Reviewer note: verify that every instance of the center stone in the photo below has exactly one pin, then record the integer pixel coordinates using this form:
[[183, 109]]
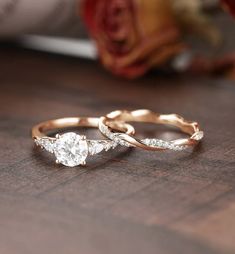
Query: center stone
[[71, 149]]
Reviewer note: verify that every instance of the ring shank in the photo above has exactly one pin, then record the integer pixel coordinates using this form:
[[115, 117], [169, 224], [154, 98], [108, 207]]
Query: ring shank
[[40, 130], [147, 116]]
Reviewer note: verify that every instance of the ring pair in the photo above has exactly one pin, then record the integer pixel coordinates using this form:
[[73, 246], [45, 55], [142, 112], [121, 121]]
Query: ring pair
[[71, 149]]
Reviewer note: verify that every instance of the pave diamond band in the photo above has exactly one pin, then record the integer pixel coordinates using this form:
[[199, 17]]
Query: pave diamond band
[[71, 149], [144, 115]]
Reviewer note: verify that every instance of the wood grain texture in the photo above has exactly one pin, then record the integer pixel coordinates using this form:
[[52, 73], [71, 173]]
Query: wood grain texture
[[124, 201]]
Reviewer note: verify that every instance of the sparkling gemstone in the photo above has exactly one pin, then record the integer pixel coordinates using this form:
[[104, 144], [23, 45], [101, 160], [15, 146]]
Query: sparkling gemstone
[[46, 143], [71, 149], [96, 146], [120, 141], [198, 135], [163, 144]]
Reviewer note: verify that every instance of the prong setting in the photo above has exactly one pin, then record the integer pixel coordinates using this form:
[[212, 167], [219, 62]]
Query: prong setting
[[71, 149], [83, 163], [83, 137]]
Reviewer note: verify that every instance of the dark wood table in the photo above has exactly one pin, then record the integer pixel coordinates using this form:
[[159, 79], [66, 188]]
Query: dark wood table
[[124, 201]]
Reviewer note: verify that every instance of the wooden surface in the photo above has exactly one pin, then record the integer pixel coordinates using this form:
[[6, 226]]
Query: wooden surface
[[124, 201]]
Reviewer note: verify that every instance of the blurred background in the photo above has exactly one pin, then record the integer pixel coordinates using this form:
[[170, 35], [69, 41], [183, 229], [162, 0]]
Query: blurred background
[[61, 58], [130, 38]]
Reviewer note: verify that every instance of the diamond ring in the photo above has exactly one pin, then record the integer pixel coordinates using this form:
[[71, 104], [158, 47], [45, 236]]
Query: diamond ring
[[144, 115], [71, 149]]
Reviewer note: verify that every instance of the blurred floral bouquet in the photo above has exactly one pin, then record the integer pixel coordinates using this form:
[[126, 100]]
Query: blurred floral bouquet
[[134, 36]]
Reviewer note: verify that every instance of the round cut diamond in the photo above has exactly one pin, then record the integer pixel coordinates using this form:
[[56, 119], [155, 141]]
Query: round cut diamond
[[71, 149]]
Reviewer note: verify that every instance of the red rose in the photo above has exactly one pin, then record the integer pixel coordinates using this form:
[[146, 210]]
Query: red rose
[[229, 5], [132, 36]]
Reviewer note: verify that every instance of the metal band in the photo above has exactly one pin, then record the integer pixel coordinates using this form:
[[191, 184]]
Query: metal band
[[147, 116]]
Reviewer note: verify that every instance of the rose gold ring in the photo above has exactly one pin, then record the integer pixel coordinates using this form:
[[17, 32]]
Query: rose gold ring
[[71, 149], [144, 115]]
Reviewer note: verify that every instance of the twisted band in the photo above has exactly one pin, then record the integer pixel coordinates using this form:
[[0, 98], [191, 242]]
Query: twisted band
[[147, 116]]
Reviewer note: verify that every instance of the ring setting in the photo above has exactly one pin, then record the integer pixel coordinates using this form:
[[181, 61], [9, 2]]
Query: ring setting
[[72, 149]]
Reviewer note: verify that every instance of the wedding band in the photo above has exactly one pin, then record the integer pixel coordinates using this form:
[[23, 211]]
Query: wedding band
[[147, 116], [71, 149]]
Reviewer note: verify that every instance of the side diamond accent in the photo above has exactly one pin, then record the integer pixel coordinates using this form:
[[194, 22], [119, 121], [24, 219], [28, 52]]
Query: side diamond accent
[[120, 141], [150, 142], [163, 144], [47, 144], [105, 130], [114, 136], [97, 146], [198, 135]]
